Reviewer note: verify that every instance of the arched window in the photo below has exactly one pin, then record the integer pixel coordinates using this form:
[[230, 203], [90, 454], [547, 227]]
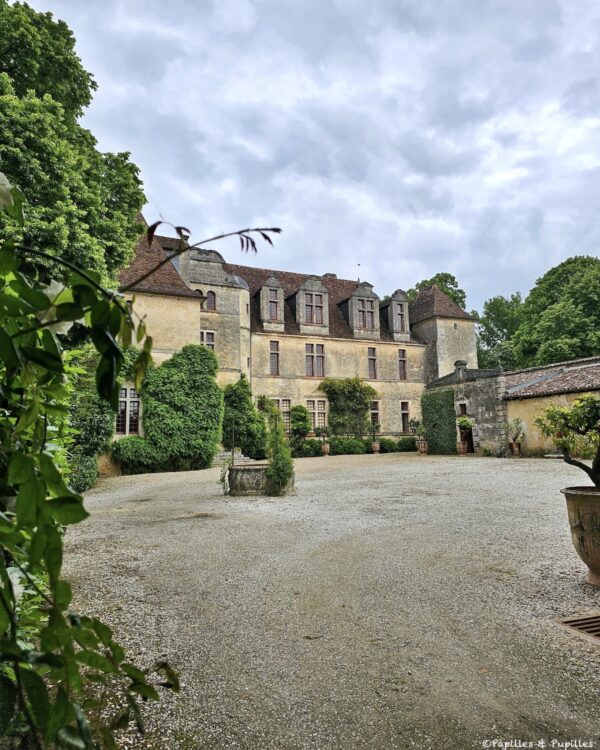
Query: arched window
[[211, 301]]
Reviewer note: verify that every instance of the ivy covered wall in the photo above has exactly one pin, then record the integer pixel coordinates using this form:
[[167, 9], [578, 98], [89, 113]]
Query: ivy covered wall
[[439, 419]]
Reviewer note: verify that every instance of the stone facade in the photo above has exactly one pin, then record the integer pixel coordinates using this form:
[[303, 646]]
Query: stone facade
[[254, 318]]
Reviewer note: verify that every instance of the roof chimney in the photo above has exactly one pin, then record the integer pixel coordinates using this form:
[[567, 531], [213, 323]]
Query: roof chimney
[[460, 368]]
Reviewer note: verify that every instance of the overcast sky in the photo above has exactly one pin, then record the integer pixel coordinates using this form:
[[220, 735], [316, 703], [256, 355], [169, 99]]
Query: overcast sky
[[410, 136]]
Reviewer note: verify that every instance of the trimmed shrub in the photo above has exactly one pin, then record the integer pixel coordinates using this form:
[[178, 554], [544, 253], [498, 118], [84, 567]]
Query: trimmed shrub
[[387, 445], [136, 455], [406, 444], [281, 465], [306, 448], [439, 418], [349, 403], [300, 421], [84, 471], [346, 446], [249, 429]]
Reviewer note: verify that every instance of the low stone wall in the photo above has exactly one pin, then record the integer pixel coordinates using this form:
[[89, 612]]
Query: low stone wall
[[251, 479]]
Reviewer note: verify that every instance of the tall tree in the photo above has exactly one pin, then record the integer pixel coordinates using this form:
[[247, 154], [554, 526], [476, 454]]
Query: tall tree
[[496, 327], [561, 315], [82, 203], [446, 282]]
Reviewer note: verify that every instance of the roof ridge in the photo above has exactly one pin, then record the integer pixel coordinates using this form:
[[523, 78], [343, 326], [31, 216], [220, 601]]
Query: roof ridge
[[274, 272], [564, 362]]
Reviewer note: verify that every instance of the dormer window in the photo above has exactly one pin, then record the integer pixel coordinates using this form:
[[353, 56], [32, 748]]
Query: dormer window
[[313, 308], [400, 311], [366, 313], [273, 305]]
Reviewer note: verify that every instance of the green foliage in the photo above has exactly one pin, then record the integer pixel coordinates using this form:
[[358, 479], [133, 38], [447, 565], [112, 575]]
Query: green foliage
[[340, 446], [306, 448], [82, 204], [496, 327], [83, 471], [406, 444], [439, 419], [514, 430], [281, 465], [573, 428], [182, 416], [300, 422], [387, 445], [49, 653], [446, 282], [349, 404], [249, 425]]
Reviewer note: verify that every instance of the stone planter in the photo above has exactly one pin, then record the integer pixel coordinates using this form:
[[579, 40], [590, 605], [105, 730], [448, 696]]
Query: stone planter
[[325, 449], [422, 446], [252, 480], [583, 507], [514, 448], [375, 446]]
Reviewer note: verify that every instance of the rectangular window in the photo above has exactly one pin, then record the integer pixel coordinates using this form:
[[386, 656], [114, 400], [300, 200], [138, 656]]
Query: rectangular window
[[319, 309], [274, 357], [375, 413], [366, 313], [308, 308], [208, 339], [273, 305], [405, 416], [128, 412], [372, 360], [284, 405], [402, 371], [318, 412], [401, 318], [315, 360]]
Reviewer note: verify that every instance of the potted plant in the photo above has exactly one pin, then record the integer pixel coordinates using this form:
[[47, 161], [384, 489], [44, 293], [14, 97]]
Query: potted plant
[[576, 430], [375, 444], [515, 434], [323, 434], [418, 430], [464, 425]]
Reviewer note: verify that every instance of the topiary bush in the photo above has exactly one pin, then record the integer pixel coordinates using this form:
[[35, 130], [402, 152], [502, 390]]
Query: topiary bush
[[281, 465], [439, 418], [182, 414], [346, 446], [387, 445], [249, 429], [406, 444], [84, 471], [300, 422]]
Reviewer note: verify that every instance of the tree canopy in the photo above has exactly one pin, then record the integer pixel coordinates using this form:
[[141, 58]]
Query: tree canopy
[[446, 282], [82, 204]]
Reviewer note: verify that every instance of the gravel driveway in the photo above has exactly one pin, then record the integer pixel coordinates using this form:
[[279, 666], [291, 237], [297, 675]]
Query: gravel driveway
[[392, 601]]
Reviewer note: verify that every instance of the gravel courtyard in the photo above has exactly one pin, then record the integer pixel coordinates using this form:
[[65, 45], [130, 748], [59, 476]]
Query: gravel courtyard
[[392, 601]]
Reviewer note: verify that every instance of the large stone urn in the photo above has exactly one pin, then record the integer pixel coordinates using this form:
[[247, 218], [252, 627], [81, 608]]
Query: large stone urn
[[583, 507]]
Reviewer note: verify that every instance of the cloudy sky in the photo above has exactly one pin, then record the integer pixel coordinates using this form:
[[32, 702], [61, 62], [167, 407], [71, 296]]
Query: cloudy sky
[[410, 136]]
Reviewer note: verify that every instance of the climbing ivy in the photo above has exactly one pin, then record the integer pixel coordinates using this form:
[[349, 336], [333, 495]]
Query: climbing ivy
[[439, 419], [349, 403]]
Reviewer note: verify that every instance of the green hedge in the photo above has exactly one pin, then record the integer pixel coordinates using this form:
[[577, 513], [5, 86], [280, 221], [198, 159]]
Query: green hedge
[[346, 446], [350, 446], [306, 448], [439, 419], [136, 456], [249, 429], [406, 444]]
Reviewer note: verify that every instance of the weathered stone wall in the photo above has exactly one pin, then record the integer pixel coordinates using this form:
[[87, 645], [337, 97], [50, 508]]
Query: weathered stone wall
[[447, 340], [343, 358], [528, 409]]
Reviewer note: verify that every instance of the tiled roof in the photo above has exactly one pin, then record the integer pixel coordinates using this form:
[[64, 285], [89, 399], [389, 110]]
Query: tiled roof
[[165, 280], [338, 289], [576, 376], [433, 303]]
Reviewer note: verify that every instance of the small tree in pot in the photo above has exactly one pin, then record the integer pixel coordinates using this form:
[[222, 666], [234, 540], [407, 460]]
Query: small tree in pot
[[575, 429], [418, 430], [464, 425], [375, 444], [323, 433], [515, 434]]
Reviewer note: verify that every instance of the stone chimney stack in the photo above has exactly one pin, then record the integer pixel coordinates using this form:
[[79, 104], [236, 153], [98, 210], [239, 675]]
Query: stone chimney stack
[[460, 368]]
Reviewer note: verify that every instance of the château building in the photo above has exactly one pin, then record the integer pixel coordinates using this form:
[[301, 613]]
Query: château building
[[287, 331]]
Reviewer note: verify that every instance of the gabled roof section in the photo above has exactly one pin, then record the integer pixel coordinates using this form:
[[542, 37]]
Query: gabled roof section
[[165, 280], [433, 303]]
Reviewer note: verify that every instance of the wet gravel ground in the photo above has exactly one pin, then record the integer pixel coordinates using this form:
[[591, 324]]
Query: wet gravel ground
[[392, 601]]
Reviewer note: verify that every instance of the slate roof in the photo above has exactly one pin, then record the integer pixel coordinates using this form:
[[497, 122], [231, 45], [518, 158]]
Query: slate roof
[[433, 303], [165, 280], [338, 289], [576, 376]]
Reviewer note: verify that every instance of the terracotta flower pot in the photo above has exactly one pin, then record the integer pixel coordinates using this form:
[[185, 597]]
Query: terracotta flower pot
[[375, 446], [422, 446], [515, 448], [583, 507], [325, 449]]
